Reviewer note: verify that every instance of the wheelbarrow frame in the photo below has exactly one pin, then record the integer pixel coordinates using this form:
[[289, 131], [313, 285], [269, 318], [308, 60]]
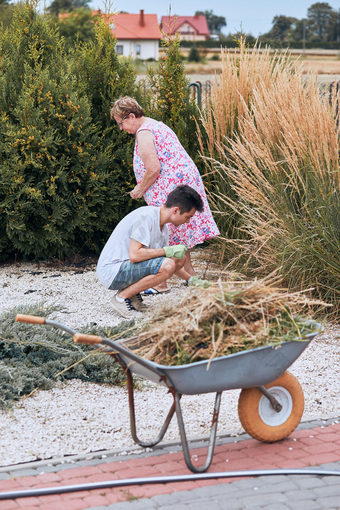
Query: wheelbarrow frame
[[252, 368]]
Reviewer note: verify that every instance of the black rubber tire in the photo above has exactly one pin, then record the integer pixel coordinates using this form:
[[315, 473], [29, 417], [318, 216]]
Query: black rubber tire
[[249, 410]]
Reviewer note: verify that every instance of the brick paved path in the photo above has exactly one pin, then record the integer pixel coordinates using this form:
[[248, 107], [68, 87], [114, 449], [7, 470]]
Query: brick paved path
[[306, 447]]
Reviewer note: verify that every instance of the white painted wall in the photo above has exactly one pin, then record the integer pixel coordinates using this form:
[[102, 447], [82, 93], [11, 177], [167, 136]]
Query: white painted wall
[[148, 49]]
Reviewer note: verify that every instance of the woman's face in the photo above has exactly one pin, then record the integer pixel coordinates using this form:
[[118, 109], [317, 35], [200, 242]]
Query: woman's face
[[127, 123]]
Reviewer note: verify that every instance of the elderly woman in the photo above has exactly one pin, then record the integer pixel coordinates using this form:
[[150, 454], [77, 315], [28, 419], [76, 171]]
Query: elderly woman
[[160, 165]]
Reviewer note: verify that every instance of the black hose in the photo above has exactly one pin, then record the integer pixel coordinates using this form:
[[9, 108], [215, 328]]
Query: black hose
[[162, 479]]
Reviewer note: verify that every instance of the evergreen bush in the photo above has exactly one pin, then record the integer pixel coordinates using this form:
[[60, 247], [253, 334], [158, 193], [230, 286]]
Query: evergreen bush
[[194, 55], [170, 100], [63, 167]]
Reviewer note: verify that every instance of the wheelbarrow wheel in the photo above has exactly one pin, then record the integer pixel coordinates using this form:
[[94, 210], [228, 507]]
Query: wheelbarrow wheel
[[258, 417]]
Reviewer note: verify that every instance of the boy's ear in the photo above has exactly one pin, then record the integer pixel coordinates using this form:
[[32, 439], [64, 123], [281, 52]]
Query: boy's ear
[[176, 209]]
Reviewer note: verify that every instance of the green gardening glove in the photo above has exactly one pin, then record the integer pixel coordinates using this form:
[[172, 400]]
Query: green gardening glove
[[197, 282], [178, 251]]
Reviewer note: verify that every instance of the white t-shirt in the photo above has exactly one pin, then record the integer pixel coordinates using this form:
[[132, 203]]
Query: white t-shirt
[[143, 225]]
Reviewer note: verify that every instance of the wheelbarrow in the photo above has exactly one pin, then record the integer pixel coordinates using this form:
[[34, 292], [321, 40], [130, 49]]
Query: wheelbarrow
[[271, 400]]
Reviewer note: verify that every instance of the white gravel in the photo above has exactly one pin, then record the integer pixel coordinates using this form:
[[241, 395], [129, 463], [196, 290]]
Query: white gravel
[[78, 417]]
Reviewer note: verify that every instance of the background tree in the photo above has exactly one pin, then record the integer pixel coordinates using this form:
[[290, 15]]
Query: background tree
[[169, 99], [78, 26], [6, 13], [320, 19], [215, 23], [58, 6], [281, 27]]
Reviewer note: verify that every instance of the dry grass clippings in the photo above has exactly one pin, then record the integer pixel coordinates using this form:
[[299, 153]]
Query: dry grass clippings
[[224, 319]]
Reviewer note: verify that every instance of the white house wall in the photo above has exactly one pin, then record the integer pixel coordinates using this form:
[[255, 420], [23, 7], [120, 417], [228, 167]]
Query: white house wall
[[148, 49]]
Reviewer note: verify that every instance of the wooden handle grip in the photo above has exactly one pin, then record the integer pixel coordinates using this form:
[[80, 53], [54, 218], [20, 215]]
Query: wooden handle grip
[[81, 338], [31, 319]]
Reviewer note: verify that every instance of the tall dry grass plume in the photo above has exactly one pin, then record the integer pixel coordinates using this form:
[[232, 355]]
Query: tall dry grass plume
[[273, 156]]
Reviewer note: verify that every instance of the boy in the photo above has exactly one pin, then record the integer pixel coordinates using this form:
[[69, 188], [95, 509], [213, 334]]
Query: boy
[[137, 256]]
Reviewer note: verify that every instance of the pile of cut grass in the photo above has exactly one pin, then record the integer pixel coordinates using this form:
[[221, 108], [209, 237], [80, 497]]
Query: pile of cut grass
[[36, 357], [224, 319]]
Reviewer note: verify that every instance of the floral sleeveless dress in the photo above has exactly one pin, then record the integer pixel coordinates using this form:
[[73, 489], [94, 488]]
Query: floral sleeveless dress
[[176, 168]]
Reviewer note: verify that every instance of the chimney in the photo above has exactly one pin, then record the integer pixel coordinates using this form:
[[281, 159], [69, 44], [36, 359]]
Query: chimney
[[141, 18]]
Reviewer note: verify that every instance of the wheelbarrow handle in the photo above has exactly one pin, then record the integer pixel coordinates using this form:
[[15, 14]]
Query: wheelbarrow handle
[[31, 319], [82, 338]]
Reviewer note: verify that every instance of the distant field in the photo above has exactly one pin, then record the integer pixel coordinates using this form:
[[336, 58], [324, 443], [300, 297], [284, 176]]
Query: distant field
[[320, 62], [310, 64]]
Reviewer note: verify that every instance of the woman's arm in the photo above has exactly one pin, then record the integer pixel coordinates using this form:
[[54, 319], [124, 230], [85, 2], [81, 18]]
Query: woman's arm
[[148, 154], [138, 252]]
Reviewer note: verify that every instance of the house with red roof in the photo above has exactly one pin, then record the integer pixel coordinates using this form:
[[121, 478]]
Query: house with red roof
[[189, 28], [137, 35]]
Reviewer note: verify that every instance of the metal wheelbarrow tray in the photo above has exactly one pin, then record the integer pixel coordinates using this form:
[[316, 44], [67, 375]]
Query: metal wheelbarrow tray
[[270, 404]]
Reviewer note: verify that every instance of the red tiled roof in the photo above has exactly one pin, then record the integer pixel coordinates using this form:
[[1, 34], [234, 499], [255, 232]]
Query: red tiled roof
[[133, 26], [170, 24]]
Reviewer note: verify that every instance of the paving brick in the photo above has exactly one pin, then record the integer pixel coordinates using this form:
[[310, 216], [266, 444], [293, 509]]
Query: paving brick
[[331, 480], [48, 478], [8, 485], [277, 506], [5, 476], [94, 500], [24, 472], [308, 482], [179, 506], [9, 504], [322, 458], [31, 507], [267, 487], [328, 490], [262, 499], [320, 448], [300, 494], [81, 472], [97, 508], [25, 502], [232, 502], [304, 505], [111, 467]]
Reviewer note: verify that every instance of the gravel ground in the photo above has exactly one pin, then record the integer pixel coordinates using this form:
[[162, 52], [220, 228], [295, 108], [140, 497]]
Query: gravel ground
[[78, 417]]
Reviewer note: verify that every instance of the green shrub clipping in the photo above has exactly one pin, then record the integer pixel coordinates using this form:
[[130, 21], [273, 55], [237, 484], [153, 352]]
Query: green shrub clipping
[[36, 357]]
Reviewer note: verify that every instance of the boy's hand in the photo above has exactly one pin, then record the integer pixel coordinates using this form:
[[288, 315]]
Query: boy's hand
[[178, 251], [197, 282]]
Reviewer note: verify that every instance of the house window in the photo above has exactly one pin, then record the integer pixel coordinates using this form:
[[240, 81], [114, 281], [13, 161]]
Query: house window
[[138, 49], [119, 49]]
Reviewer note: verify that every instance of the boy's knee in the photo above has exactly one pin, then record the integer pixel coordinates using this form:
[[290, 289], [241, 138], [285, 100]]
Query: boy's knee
[[168, 266]]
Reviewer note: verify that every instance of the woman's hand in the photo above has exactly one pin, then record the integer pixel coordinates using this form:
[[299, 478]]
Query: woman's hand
[[136, 192]]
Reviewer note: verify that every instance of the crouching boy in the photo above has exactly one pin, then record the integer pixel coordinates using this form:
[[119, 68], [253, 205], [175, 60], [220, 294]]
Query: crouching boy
[[137, 256]]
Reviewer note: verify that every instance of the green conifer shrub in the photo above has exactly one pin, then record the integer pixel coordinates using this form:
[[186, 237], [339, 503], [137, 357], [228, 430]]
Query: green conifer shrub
[[194, 55], [64, 168], [170, 98]]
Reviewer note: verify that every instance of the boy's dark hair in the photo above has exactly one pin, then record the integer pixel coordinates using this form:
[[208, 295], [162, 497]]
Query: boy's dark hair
[[185, 198]]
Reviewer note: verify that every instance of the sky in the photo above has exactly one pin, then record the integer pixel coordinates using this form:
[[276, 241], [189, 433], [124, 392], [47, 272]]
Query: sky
[[252, 16]]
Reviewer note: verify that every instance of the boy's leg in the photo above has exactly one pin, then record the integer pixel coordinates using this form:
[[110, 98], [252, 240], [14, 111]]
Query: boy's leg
[[188, 265], [168, 267]]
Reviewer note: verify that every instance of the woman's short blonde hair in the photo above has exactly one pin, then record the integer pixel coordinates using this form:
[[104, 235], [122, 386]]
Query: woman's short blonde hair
[[124, 106]]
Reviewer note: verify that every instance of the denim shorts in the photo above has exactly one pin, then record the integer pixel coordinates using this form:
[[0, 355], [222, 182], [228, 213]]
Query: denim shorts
[[132, 272]]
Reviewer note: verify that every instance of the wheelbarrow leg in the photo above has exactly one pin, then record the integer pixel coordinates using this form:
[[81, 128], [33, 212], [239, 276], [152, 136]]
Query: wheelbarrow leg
[[212, 438], [133, 416]]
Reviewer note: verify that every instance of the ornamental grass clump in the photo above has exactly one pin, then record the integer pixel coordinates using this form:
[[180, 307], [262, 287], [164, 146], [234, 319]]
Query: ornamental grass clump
[[273, 155], [224, 319]]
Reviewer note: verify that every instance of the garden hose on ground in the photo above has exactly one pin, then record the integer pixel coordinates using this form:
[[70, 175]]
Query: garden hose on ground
[[162, 479]]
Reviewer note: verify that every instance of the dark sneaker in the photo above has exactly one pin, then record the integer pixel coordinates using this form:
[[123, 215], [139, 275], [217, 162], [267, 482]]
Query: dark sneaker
[[137, 302], [125, 309]]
